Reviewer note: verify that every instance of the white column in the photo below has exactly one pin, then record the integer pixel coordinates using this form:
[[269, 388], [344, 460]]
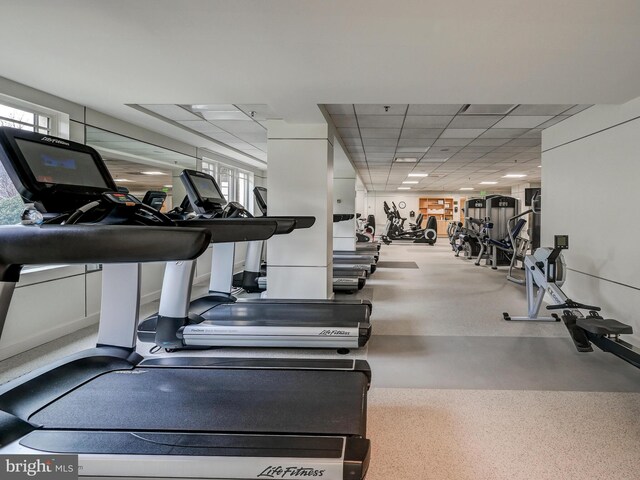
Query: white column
[[299, 181], [344, 199]]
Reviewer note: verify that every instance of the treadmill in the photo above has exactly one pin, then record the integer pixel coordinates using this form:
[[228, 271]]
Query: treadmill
[[221, 320], [357, 254], [254, 277], [128, 417]]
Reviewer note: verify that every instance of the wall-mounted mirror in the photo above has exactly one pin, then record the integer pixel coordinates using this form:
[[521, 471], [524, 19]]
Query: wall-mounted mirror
[[141, 167]]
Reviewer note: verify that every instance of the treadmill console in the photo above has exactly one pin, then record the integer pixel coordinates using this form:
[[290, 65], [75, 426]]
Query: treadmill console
[[203, 192], [123, 199], [59, 174], [154, 198]]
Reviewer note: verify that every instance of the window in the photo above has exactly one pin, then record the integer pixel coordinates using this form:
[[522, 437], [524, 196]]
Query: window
[[20, 114], [11, 204], [24, 120], [236, 184]]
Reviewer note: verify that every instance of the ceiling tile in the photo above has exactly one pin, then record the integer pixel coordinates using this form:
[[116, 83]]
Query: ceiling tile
[[553, 121], [384, 142], [378, 149], [521, 121], [379, 109], [201, 126], [524, 142], [412, 151], [452, 142], [471, 148], [344, 120], [237, 126], [474, 121], [421, 132], [487, 109], [576, 109], [352, 141], [462, 132], [339, 109], [258, 112], [427, 121], [355, 148], [488, 142], [504, 132], [380, 132], [416, 142], [380, 121], [173, 112], [533, 133], [434, 109], [349, 132], [216, 107], [442, 151], [215, 116], [540, 109]]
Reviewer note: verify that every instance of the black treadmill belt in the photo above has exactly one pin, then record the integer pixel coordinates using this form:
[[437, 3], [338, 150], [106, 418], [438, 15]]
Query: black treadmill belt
[[209, 400], [320, 315], [144, 443]]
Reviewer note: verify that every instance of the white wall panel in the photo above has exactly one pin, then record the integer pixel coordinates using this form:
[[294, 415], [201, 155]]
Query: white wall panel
[[43, 312], [590, 186]]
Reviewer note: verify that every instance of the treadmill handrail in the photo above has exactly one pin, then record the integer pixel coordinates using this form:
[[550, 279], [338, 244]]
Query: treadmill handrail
[[301, 221], [240, 229], [78, 244]]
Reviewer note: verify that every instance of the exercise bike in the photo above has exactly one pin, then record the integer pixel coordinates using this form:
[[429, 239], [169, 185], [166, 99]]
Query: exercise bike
[[546, 271]]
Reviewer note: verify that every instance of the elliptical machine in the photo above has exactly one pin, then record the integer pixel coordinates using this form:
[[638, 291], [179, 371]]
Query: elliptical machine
[[394, 228]]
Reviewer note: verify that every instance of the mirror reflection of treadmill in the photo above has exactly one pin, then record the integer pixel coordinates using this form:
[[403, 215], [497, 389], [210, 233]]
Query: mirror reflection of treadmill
[[350, 268], [223, 320]]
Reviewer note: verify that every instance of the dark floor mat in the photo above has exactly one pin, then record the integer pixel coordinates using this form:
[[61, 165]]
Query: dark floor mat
[[397, 265]]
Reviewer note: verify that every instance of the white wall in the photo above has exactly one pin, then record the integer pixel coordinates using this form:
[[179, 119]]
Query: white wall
[[590, 174]]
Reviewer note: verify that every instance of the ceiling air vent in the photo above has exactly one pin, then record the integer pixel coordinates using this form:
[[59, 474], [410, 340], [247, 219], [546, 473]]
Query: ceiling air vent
[[485, 109]]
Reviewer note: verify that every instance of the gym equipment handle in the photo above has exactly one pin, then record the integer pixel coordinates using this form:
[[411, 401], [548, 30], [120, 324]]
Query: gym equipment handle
[[571, 304]]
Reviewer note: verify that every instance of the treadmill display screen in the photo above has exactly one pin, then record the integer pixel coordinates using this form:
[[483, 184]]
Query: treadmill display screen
[[206, 188], [55, 165], [263, 195]]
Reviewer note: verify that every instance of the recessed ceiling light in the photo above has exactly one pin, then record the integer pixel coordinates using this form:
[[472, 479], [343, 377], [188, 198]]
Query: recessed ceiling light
[[152, 172], [406, 159], [168, 186], [410, 181], [514, 175], [466, 188], [404, 188], [539, 166], [418, 175], [488, 183], [122, 180]]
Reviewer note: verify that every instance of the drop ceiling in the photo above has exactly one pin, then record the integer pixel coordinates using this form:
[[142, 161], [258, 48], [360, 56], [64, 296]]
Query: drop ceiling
[[238, 127], [458, 146]]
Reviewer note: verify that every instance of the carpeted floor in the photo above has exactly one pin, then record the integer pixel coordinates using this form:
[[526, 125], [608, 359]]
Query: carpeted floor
[[458, 393]]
